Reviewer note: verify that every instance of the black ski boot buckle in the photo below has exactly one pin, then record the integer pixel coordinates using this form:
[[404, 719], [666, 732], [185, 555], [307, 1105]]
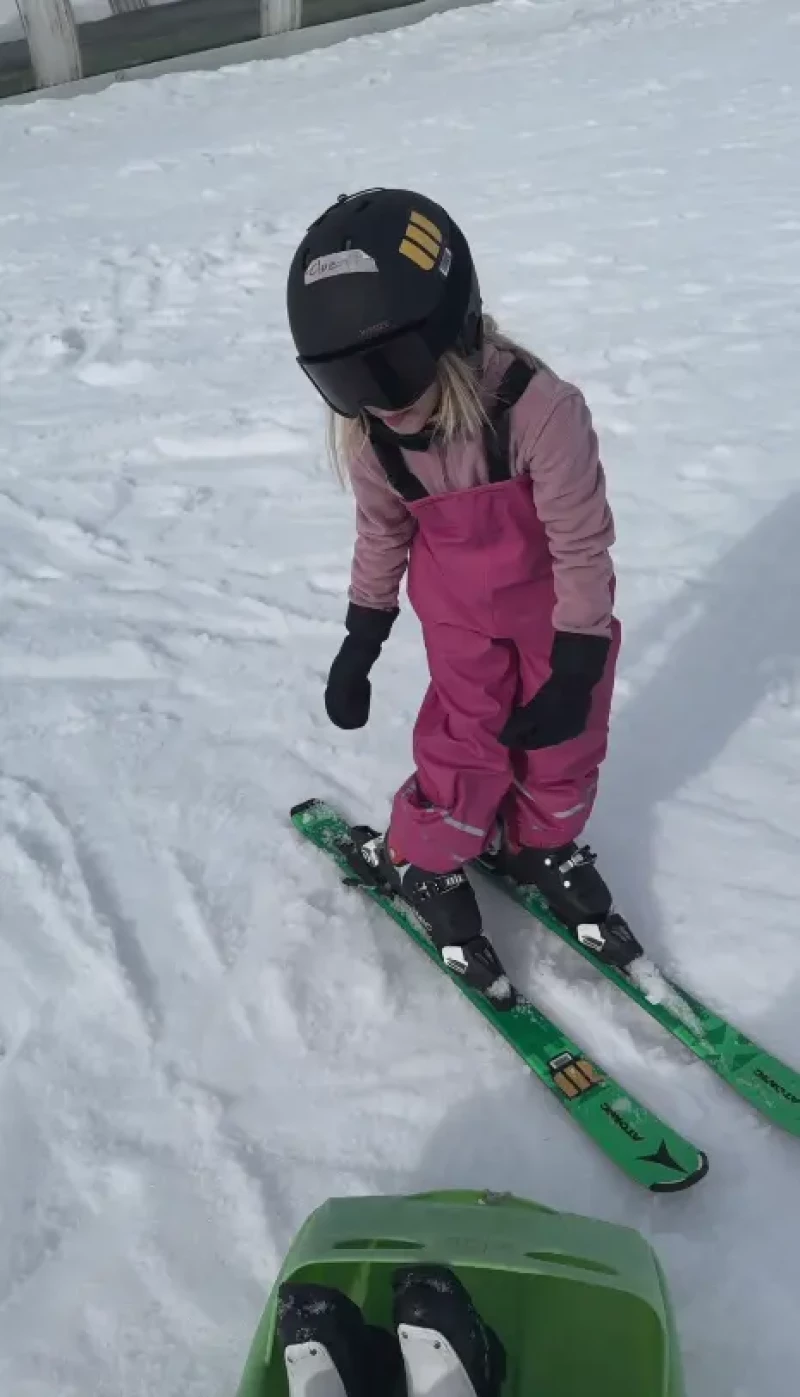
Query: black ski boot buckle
[[364, 873]]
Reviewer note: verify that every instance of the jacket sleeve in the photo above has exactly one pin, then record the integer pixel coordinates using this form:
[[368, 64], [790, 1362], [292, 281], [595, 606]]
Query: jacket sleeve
[[569, 492], [384, 530]]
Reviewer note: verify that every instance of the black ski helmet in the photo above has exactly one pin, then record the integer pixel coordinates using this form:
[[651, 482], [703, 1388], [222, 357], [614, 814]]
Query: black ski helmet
[[381, 286]]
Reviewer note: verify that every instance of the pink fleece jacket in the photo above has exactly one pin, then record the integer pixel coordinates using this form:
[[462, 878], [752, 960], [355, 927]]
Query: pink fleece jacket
[[553, 442]]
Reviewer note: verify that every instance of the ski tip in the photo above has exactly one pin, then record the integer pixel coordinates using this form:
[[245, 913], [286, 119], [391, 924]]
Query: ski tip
[[303, 807], [687, 1181]]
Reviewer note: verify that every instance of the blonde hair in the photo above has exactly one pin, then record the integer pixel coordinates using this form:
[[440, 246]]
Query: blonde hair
[[460, 412]]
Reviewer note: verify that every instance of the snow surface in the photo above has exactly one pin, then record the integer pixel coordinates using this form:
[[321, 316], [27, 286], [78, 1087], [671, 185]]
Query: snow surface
[[203, 1034]]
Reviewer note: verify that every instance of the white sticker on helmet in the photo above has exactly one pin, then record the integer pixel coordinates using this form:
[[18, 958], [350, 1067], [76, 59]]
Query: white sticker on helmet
[[339, 264]]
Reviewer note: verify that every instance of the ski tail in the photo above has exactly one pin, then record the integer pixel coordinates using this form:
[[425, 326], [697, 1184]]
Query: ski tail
[[758, 1077]]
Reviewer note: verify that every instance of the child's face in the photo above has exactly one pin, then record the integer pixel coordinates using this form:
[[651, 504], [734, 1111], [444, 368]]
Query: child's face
[[410, 419]]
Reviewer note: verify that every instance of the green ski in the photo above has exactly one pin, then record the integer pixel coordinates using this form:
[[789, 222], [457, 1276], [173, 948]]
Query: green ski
[[763, 1080], [649, 1151]]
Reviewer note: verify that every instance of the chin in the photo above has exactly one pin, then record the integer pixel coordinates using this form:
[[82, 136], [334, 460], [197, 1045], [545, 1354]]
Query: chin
[[403, 421]]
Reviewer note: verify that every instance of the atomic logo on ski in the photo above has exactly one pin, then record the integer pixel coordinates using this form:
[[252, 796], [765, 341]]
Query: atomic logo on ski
[[663, 1157], [619, 1120], [776, 1086]]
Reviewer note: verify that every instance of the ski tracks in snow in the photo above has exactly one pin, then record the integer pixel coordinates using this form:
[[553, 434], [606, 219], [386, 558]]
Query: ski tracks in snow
[[173, 578], [148, 621]]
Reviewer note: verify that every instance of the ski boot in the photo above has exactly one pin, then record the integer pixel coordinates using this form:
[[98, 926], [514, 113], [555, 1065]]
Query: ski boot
[[575, 893], [447, 1349], [446, 905], [329, 1349]]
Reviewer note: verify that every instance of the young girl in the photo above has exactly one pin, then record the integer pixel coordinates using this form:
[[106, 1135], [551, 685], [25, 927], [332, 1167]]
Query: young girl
[[476, 468]]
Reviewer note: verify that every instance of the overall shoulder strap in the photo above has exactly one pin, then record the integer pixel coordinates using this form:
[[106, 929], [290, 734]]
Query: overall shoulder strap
[[496, 435], [395, 469], [496, 432]]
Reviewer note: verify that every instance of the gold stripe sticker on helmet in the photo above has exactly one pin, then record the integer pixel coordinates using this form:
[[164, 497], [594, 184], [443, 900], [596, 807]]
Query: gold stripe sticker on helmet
[[423, 222], [416, 254], [416, 235], [422, 242]]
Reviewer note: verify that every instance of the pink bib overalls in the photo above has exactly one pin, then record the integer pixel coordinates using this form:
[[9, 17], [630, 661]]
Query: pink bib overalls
[[481, 582]]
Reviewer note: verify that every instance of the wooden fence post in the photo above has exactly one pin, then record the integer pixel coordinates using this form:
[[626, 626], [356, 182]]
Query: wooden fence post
[[279, 16], [52, 39]]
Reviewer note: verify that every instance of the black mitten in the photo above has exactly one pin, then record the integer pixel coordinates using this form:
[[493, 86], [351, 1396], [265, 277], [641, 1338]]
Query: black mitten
[[560, 710], [348, 691]]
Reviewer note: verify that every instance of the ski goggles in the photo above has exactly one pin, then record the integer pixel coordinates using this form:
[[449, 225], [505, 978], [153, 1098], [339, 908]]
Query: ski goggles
[[389, 376]]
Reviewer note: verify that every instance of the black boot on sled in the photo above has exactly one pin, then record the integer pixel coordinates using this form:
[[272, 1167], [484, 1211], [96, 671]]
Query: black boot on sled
[[446, 1345], [329, 1347]]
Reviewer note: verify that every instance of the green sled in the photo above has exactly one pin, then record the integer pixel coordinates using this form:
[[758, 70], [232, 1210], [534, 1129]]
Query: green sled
[[581, 1306]]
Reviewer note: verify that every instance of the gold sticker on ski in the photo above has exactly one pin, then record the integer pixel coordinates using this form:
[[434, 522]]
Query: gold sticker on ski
[[574, 1076]]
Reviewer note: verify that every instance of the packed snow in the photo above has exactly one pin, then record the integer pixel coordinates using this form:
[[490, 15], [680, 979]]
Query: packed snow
[[203, 1034]]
